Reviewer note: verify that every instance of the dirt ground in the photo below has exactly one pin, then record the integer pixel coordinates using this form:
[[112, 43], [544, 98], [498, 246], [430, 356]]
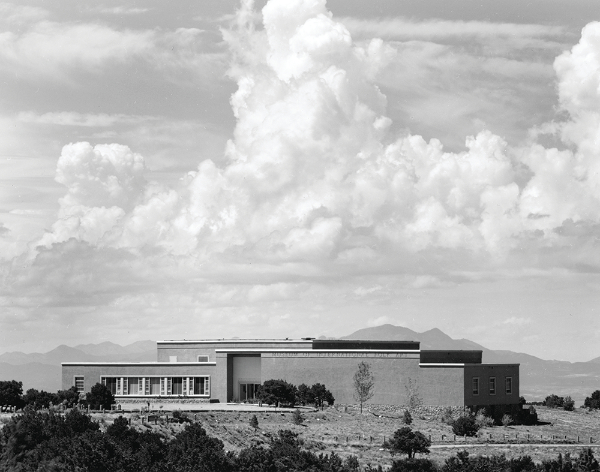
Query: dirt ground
[[347, 432]]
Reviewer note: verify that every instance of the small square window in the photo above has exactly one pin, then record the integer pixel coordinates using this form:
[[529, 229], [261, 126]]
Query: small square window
[[475, 385], [79, 384], [508, 385], [202, 358], [492, 385]]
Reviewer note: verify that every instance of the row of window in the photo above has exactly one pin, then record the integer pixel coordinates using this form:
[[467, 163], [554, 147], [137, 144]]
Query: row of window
[[202, 358], [508, 387], [197, 385]]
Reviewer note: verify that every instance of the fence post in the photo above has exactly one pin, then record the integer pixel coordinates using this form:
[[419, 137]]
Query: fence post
[[455, 438], [577, 438], [591, 441]]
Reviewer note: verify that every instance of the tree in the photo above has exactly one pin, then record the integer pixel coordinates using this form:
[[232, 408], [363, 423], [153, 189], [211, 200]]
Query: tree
[[364, 384], [297, 417], [407, 417], [276, 392], [593, 401], [99, 397], [305, 395], [409, 442], [320, 394], [38, 399], [69, 398], [554, 401], [10, 393], [413, 396]]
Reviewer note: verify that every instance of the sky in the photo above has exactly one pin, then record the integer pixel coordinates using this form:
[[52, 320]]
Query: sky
[[300, 168]]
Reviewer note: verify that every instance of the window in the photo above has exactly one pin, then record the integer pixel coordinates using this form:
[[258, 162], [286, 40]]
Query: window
[[248, 391], [203, 358], [172, 358], [154, 386], [508, 385], [492, 385], [79, 384], [475, 385]]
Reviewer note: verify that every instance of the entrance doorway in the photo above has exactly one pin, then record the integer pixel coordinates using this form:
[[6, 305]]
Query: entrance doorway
[[248, 391]]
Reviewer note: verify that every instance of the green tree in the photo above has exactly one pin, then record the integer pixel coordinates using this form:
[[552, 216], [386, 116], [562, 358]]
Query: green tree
[[277, 392], [364, 384], [569, 403], [38, 399], [305, 395], [99, 397], [554, 401], [69, 398], [407, 417], [409, 442], [10, 393]]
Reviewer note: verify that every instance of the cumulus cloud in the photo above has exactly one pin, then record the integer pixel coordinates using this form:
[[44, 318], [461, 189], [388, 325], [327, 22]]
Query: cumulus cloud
[[314, 174]]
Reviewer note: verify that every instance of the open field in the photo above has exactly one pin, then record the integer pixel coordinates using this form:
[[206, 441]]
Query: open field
[[349, 432]]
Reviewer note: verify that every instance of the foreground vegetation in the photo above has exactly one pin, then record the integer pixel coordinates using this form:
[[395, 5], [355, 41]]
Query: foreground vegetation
[[35, 441]]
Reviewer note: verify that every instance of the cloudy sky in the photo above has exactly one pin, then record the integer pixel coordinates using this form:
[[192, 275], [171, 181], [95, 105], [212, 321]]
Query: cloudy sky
[[217, 169]]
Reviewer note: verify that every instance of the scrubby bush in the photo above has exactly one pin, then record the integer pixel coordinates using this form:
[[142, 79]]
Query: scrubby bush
[[297, 417], [254, 421], [447, 416], [180, 418], [413, 465], [507, 420], [482, 420], [407, 418], [465, 426], [569, 404]]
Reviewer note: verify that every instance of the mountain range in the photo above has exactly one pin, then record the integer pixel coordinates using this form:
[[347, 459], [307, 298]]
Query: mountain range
[[538, 377]]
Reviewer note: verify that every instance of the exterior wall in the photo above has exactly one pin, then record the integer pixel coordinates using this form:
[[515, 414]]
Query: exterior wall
[[188, 351], [93, 372], [336, 371], [442, 386], [245, 369], [460, 357], [484, 372]]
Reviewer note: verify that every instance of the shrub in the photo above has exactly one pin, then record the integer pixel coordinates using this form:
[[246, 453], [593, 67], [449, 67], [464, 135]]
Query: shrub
[[507, 420], [407, 418], [569, 404], [413, 465], [465, 426], [409, 442], [180, 418], [254, 421], [297, 417], [447, 416], [482, 420], [99, 397]]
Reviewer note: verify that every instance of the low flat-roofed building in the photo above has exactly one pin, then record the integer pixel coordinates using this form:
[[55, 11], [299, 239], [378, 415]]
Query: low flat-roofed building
[[232, 369]]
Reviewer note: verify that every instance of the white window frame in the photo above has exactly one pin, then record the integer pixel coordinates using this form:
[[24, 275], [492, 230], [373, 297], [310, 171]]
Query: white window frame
[[79, 378], [508, 384], [492, 385], [473, 384], [166, 385]]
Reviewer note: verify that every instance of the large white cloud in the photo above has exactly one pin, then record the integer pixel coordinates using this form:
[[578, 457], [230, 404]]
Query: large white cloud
[[314, 174]]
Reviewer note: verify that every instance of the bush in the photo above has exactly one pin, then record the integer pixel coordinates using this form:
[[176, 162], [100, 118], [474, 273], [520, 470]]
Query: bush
[[254, 421], [569, 404], [99, 397], [482, 420], [407, 418], [180, 418], [465, 426], [447, 416], [413, 465], [507, 420], [297, 417]]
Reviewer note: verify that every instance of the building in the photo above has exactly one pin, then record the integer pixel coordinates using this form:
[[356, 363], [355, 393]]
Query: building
[[232, 370]]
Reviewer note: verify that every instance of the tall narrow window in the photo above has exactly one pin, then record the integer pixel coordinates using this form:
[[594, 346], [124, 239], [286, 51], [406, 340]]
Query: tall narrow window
[[492, 385], [475, 385], [508, 385], [79, 384]]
